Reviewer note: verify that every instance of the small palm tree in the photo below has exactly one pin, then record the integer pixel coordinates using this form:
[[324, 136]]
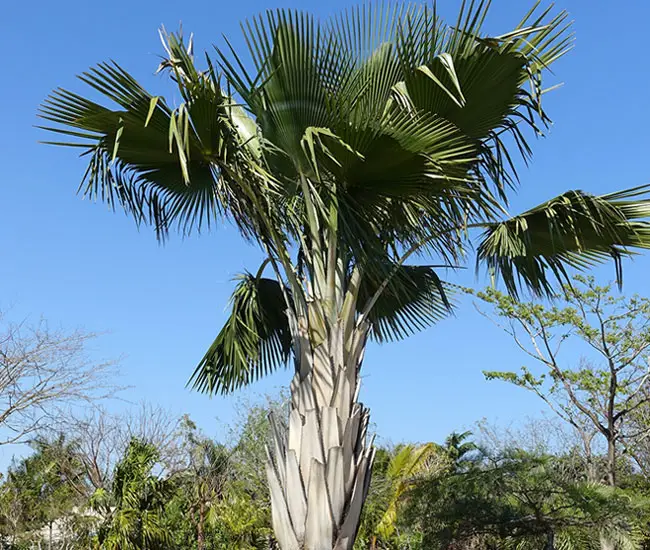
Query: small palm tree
[[206, 477], [345, 148], [460, 450], [404, 468], [134, 508]]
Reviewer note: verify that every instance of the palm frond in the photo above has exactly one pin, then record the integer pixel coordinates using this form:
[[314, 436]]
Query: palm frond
[[479, 83], [575, 230], [414, 299], [287, 95], [164, 166], [412, 180], [410, 462], [254, 341]]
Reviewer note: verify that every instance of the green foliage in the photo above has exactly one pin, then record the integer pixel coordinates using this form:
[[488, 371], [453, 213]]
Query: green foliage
[[575, 230], [421, 497], [395, 472], [40, 489], [348, 146], [252, 434], [229, 485], [519, 500], [256, 338], [254, 341], [241, 521]]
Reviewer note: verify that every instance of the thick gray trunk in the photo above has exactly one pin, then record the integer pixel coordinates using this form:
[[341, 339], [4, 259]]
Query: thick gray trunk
[[319, 469]]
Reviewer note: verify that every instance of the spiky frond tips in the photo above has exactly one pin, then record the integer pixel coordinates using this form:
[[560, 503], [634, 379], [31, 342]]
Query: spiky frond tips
[[413, 299]]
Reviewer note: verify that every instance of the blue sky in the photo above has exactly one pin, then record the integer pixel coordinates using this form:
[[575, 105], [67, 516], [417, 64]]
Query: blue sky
[[79, 265]]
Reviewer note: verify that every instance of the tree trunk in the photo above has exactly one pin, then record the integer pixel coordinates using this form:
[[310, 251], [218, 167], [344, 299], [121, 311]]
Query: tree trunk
[[200, 534], [605, 543], [611, 463], [592, 470], [550, 541], [319, 469]]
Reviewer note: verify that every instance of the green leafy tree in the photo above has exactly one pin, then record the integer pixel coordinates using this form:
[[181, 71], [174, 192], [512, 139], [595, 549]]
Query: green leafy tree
[[241, 521], [42, 490], [250, 437], [221, 492], [346, 148], [134, 509], [603, 394], [517, 500], [206, 477]]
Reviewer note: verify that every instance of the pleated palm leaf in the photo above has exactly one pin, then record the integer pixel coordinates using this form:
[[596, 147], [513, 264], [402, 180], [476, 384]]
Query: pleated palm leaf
[[134, 509], [404, 468], [345, 148]]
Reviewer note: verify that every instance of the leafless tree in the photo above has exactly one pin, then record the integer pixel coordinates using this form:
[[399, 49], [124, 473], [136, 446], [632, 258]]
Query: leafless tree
[[544, 436], [101, 438], [43, 373]]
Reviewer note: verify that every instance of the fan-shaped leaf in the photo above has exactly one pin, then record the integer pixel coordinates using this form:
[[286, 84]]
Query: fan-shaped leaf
[[575, 230], [414, 299], [254, 341]]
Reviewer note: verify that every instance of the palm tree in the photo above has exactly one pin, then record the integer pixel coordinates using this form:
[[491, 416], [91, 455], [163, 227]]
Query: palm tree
[[133, 510], [207, 474], [408, 463], [460, 450], [345, 148]]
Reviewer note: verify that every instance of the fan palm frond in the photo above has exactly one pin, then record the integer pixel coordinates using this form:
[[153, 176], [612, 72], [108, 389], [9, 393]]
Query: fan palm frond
[[575, 230], [254, 341], [414, 299], [256, 338]]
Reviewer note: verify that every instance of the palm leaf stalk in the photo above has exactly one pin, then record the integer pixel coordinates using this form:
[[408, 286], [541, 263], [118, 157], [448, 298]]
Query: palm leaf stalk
[[345, 148]]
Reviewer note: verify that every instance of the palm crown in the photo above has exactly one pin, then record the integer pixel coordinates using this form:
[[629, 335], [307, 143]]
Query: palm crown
[[369, 137]]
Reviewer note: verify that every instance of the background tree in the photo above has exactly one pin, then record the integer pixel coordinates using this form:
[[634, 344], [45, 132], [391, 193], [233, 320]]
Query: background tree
[[44, 372], [11, 513], [600, 395], [134, 508], [514, 493], [394, 473], [636, 440], [252, 436], [207, 474], [345, 148], [42, 489]]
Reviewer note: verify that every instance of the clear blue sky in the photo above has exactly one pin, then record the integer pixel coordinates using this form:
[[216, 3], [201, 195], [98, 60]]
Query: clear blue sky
[[78, 264]]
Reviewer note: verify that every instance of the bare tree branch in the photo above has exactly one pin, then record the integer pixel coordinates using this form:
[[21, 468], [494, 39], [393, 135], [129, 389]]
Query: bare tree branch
[[43, 373]]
